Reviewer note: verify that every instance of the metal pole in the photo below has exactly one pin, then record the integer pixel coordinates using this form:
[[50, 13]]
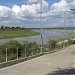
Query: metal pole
[[32, 51], [17, 53], [74, 25], [25, 52], [41, 26], [64, 30], [6, 54]]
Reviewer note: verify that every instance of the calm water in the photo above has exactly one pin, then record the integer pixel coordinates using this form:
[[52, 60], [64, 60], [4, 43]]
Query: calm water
[[47, 34]]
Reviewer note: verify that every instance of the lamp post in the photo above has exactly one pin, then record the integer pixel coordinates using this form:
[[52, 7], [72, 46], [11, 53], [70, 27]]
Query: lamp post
[[41, 25], [73, 12], [64, 29], [65, 24]]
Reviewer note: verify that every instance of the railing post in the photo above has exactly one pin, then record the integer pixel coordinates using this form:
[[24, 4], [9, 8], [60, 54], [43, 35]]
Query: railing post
[[25, 52], [17, 53], [32, 51], [37, 51], [41, 49], [6, 55]]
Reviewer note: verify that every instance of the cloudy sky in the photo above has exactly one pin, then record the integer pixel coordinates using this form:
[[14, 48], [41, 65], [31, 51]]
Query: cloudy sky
[[26, 13]]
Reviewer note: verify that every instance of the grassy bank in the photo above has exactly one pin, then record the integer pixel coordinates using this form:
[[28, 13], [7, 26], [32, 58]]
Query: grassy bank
[[12, 33]]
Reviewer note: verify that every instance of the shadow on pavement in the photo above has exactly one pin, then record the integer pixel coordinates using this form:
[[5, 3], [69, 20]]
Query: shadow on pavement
[[69, 71]]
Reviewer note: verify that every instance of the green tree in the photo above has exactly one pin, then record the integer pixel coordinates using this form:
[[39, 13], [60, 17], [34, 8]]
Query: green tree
[[2, 27]]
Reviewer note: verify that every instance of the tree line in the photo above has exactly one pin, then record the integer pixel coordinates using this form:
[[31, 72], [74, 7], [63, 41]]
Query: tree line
[[6, 27]]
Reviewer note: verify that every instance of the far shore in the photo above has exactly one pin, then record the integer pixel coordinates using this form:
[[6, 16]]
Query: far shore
[[13, 33]]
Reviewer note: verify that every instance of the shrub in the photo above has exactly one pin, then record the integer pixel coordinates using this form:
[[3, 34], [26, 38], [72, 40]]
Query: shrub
[[52, 44], [72, 41]]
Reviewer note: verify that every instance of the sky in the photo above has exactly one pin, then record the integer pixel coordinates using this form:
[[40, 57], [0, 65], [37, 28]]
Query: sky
[[26, 13]]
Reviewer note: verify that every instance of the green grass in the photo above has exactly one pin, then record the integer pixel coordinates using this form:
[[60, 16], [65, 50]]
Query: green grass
[[12, 33]]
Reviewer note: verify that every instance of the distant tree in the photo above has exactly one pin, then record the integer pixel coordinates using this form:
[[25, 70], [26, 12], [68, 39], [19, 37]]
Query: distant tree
[[17, 27], [23, 28], [13, 28], [7, 27], [2, 27]]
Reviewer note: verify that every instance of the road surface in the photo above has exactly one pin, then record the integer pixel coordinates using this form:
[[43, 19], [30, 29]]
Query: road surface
[[45, 65]]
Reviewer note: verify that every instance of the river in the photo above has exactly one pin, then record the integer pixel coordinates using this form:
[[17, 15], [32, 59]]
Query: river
[[47, 34]]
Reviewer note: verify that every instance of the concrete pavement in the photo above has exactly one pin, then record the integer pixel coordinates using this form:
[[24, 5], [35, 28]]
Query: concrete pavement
[[44, 65]]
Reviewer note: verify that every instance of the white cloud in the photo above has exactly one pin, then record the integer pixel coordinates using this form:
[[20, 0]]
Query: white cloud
[[32, 1], [5, 11], [61, 6], [16, 10], [72, 4], [27, 11], [30, 12]]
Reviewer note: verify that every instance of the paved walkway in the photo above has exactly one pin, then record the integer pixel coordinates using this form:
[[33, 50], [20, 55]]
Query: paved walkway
[[44, 65]]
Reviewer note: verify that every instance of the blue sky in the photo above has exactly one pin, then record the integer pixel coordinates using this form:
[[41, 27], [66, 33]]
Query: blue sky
[[9, 3], [25, 13]]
